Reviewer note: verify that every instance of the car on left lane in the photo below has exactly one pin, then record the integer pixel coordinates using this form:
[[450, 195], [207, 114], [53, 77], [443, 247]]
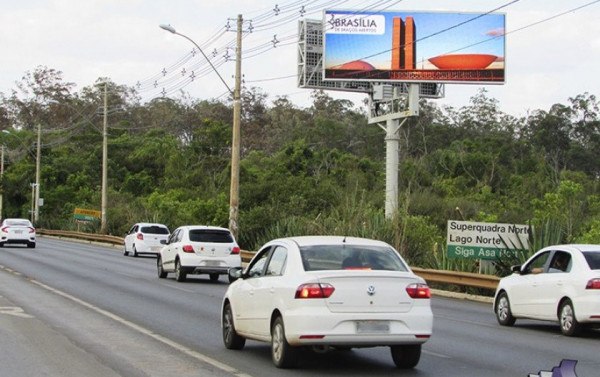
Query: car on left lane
[[17, 231]]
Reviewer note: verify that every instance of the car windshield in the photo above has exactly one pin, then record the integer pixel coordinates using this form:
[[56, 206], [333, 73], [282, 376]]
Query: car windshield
[[350, 257], [593, 259], [18, 223], [210, 235], [155, 229]]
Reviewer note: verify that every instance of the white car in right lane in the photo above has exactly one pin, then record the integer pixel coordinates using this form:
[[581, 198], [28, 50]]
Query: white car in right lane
[[558, 283], [328, 292]]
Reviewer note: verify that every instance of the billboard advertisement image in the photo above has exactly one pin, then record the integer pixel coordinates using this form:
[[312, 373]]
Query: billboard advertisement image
[[414, 46]]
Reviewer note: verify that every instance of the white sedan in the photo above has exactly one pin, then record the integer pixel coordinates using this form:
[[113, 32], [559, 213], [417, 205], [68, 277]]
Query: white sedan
[[558, 283], [328, 292], [17, 231]]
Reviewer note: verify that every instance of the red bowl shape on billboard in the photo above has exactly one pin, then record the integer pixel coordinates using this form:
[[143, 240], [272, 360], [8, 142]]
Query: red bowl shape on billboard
[[463, 61], [356, 65]]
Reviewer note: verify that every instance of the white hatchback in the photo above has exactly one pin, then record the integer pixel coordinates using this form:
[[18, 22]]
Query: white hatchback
[[145, 238], [17, 231], [558, 283], [198, 249], [328, 292]]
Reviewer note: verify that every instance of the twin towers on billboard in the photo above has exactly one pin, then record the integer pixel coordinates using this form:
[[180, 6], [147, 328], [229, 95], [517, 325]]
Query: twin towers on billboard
[[414, 46]]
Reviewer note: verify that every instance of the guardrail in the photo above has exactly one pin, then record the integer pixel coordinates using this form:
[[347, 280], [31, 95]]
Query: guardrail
[[464, 279]]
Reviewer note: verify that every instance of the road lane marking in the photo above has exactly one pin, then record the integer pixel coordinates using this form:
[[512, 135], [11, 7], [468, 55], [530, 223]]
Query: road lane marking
[[181, 348], [14, 311]]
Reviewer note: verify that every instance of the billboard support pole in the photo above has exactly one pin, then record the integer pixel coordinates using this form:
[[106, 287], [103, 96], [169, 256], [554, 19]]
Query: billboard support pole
[[379, 100]]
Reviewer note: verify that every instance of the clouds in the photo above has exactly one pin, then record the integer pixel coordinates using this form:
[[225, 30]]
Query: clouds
[[120, 39]]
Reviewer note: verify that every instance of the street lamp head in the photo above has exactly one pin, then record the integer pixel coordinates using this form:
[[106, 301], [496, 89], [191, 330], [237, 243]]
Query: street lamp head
[[168, 28]]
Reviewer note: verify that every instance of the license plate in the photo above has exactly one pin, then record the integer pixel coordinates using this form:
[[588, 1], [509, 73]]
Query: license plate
[[213, 263], [155, 248], [18, 232], [372, 327]]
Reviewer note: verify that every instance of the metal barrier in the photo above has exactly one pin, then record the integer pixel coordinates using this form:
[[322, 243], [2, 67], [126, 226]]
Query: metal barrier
[[464, 279]]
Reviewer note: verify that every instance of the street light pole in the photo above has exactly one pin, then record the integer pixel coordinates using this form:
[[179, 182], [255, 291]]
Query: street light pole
[[237, 110], [38, 159]]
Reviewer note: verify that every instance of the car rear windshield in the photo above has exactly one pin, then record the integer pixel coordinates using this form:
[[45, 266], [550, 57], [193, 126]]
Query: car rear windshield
[[155, 229], [350, 257], [18, 223], [210, 235], [593, 259]]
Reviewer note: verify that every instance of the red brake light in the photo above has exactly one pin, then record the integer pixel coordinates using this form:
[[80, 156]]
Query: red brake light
[[188, 249], [31, 230], [140, 236], [4, 229], [314, 290], [235, 250], [593, 284], [418, 290]]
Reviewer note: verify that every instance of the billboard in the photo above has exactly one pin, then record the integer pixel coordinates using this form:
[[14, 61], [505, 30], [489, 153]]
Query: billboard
[[414, 46]]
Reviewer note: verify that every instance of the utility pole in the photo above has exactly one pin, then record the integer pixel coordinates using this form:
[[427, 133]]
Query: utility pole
[[38, 159], [234, 193], [104, 161]]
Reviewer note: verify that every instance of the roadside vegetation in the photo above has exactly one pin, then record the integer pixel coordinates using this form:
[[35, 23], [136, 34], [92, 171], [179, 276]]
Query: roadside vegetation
[[315, 170]]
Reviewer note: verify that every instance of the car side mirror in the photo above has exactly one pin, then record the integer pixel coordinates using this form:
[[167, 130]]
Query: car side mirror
[[516, 269], [164, 242], [234, 274]]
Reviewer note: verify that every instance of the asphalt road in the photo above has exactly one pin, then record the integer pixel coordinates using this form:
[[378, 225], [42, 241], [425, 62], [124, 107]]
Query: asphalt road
[[69, 308]]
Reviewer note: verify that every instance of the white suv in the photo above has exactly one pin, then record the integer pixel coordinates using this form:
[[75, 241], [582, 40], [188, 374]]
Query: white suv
[[144, 238], [198, 249]]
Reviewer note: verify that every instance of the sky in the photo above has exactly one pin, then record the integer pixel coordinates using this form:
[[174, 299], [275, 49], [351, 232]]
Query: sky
[[550, 56]]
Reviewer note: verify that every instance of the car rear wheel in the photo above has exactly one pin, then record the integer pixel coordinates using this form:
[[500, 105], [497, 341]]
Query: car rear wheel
[[284, 355], [231, 339], [31, 245], [161, 272], [503, 313], [180, 275], [135, 253], [213, 277], [569, 325], [406, 356], [125, 252]]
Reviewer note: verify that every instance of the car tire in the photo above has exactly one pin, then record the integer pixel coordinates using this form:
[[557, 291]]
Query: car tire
[[31, 245], [125, 252], [1, 244], [159, 267], [180, 275], [569, 325], [503, 313], [406, 356], [135, 253], [231, 339], [283, 355], [213, 277]]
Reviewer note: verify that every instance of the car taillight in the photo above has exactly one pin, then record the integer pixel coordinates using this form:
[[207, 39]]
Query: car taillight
[[188, 249], [235, 250], [5, 229], [418, 290], [593, 284], [140, 236], [31, 230], [314, 290]]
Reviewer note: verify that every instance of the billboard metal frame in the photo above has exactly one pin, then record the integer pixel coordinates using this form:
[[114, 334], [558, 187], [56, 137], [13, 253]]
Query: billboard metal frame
[[310, 67]]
